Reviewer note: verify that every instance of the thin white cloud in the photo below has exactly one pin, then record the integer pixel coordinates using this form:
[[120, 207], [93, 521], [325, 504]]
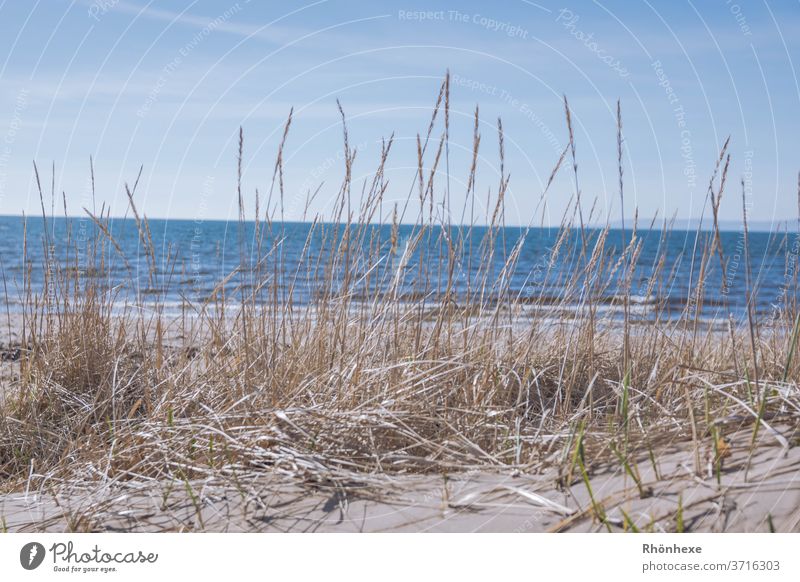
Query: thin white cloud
[[223, 22]]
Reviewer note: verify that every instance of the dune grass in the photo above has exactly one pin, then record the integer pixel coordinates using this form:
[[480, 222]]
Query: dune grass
[[367, 379]]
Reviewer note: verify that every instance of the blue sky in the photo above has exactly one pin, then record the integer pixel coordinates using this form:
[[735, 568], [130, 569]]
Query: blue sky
[[167, 85]]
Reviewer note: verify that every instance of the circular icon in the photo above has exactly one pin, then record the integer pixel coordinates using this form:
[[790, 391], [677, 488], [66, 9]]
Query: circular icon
[[31, 555]]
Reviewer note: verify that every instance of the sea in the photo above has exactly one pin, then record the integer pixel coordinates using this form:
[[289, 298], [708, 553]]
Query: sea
[[199, 262]]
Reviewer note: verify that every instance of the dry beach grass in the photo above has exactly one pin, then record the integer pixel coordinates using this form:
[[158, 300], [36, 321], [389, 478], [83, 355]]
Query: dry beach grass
[[379, 402]]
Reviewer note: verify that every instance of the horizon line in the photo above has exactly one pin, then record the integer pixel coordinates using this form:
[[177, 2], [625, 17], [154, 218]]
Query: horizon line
[[678, 224]]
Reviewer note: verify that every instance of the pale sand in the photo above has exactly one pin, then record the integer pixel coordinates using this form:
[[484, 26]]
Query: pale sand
[[478, 501], [470, 502]]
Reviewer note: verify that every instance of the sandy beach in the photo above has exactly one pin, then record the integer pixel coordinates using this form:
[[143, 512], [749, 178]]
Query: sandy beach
[[678, 488], [758, 493]]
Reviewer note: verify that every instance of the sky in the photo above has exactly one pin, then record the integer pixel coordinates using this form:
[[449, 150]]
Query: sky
[[166, 86]]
